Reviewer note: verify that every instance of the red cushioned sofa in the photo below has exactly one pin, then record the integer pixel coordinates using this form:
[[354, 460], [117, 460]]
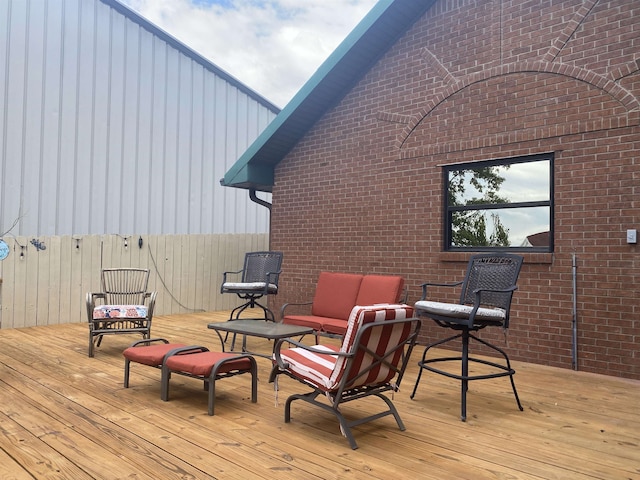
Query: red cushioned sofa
[[336, 295]]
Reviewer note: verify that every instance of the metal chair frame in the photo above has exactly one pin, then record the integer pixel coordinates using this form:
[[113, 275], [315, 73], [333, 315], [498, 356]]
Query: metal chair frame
[[346, 391], [490, 281], [259, 278]]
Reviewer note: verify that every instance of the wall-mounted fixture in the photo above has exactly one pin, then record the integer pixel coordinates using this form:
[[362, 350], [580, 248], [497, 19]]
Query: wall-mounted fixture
[[38, 244], [632, 236]]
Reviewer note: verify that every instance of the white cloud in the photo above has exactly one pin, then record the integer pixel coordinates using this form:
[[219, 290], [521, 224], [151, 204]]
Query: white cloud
[[272, 46]]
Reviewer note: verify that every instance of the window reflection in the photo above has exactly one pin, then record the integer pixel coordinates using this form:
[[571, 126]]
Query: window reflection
[[500, 204]]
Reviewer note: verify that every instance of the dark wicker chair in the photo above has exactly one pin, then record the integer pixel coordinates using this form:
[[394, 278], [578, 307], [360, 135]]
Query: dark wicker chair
[[485, 301], [371, 361], [124, 306], [257, 279]]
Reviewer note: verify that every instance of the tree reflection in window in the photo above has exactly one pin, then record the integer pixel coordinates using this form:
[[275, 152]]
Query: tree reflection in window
[[500, 204]]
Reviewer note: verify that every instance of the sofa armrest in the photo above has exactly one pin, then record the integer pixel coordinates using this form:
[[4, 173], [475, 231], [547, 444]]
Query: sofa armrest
[[287, 305]]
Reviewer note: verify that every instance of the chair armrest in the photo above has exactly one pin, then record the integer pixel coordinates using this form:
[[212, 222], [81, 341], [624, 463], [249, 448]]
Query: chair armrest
[[184, 351], [425, 285], [148, 341], [478, 293], [151, 297], [224, 274], [272, 277], [287, 305], [310, 348], [224, 277], [91, 303]]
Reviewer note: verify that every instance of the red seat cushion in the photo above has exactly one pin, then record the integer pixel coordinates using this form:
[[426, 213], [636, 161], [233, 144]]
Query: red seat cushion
[[202, 363], [151, 355], [335, 326], [336, 294], [310, 321]]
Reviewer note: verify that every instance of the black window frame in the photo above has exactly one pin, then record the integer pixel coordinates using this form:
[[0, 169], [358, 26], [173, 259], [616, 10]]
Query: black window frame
[[450, 210]]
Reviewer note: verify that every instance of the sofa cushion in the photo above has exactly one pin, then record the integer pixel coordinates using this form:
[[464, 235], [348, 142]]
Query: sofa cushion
[[335, 326], [310, 321], [376, 289], [336, 294]]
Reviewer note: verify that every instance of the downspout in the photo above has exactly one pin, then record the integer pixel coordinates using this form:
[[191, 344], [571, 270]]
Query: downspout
[[574, 322], [259, 201]]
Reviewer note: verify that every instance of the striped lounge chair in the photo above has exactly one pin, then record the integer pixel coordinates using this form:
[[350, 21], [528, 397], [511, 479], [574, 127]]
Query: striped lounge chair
[[371, 361]]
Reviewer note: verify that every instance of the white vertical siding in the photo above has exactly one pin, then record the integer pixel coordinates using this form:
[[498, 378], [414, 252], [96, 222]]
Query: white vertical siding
[[109, 126]]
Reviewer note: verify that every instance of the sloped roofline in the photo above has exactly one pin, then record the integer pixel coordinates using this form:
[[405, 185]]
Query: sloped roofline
[[370, 39], [192, 54]]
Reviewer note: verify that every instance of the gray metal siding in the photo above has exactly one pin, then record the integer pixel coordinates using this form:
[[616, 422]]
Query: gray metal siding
[[107, 127]]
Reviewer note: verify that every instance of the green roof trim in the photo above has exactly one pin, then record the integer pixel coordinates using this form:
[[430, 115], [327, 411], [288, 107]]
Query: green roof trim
[[371, 38]]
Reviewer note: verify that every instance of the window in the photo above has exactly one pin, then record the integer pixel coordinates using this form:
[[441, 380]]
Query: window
[[500, 204]]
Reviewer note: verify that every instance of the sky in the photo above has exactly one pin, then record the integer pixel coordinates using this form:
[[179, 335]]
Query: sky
[[271, 46]]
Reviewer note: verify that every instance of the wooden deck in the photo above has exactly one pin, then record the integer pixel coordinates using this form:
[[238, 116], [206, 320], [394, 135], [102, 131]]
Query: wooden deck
[[66, 416]]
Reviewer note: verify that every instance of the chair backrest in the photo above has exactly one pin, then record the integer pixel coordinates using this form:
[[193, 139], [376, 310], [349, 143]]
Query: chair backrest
[[125, 286], [491, 271], [262, 267], [380, 339]]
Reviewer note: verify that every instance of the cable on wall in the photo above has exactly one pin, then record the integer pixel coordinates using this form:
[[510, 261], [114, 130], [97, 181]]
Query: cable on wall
[[155, 265]]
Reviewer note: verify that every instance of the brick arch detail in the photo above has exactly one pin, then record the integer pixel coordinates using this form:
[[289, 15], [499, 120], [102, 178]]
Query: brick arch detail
[[626, 98]]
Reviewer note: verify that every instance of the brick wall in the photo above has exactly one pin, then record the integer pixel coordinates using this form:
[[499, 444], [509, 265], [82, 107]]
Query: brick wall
[[479, 80]]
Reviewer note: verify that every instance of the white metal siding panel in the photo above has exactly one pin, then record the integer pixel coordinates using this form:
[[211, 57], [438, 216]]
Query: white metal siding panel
[[107, 128]]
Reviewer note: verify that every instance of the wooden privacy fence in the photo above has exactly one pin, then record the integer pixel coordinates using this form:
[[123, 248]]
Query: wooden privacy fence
[[44, 280]]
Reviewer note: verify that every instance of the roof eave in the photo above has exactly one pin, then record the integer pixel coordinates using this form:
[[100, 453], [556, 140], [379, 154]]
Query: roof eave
[[335, 77]]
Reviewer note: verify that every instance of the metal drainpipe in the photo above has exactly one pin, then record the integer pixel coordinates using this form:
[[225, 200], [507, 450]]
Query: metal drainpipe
[[259, 201], [574, 322]]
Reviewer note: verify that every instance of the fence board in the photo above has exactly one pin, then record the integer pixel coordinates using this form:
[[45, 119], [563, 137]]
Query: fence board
[[46, 287]]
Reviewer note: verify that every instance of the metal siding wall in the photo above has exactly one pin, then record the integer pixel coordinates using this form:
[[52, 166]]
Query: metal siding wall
[[108, 129]]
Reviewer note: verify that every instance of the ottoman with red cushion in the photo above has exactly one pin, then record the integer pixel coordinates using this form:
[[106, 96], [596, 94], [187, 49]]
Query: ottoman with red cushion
[[202, 364], [149, 352]]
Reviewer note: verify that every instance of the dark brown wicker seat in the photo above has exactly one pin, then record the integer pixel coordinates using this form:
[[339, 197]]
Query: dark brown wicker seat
[[124, 306], [485, 301]]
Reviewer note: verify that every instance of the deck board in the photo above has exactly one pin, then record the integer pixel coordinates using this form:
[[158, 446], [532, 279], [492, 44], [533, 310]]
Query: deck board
[[64, 415]]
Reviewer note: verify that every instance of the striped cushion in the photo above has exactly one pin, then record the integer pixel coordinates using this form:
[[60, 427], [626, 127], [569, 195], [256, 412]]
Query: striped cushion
[[326, 371], [120, 311]]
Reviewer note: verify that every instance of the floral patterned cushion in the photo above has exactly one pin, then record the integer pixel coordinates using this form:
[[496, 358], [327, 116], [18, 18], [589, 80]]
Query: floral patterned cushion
[[120, 311]]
